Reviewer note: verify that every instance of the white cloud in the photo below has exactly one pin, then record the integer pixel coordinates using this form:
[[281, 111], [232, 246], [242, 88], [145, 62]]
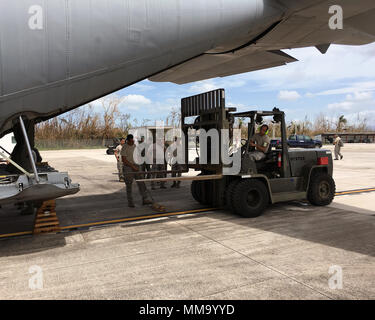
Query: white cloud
[[203, 86], [213, 84], [135, 101], [360, 96], [357, 101], [130, 102], [289, 95], [354, 87]]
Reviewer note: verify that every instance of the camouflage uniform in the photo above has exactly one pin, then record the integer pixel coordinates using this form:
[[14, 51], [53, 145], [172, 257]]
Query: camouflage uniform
[[338, 144], [176, 167], [127, 152], [119, 163], [157, 167]]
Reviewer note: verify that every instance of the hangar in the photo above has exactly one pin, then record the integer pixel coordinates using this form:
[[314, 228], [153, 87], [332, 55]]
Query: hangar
[[349, 137]]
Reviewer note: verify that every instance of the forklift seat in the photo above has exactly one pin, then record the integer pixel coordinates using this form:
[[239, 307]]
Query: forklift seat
[[268, 156], [271, 157]]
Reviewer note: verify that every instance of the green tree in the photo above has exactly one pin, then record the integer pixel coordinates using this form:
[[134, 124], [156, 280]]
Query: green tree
[[340, 122]]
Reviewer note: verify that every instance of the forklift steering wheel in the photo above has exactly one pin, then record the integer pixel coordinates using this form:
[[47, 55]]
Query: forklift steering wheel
[[244, 147]]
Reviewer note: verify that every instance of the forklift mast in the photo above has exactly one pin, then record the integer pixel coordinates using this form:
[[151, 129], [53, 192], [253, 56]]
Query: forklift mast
[[210, 113]]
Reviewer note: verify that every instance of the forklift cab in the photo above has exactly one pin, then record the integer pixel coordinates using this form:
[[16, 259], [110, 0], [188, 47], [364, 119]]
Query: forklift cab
[[273, 155]]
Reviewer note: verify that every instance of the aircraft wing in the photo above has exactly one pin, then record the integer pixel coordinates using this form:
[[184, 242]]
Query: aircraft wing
[[308, 26], [220, 65]]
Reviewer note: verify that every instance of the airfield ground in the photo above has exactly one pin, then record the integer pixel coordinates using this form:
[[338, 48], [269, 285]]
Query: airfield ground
[[288, 253]]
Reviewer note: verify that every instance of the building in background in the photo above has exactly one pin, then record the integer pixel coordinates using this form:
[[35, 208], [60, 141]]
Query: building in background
[[349, 137]]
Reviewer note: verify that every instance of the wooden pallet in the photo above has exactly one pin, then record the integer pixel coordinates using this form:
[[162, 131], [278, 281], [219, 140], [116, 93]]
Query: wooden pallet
[[46, 220]]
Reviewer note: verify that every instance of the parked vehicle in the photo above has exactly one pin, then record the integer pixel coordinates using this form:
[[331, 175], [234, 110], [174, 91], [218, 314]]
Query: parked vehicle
[[302, 141], [111, 148], [298, 141]]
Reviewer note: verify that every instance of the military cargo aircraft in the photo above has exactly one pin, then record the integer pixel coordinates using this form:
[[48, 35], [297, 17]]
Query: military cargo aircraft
[[57, 55]]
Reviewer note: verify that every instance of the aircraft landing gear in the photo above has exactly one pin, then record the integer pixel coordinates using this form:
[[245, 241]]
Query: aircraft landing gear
[[25, 183]]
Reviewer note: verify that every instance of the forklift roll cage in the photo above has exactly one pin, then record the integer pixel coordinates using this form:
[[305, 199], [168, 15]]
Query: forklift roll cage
[[211, 113]]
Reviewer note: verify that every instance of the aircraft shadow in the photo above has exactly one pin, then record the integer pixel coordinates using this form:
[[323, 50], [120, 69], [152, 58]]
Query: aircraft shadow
[[341, 228], [85, 209]]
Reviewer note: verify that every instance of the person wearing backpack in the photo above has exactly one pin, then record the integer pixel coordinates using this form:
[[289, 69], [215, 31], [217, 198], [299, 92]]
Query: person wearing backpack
[[338, 145]]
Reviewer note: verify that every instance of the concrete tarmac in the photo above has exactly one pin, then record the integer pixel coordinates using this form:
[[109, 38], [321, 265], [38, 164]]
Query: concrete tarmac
[[293, 251]]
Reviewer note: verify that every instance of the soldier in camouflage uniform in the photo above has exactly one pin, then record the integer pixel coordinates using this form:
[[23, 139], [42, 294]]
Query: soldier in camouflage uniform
[[127, 154], [175, 165], [119, 160], [338, 145]]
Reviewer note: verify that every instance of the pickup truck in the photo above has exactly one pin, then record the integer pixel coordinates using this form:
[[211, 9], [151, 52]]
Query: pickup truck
[[298, 141]]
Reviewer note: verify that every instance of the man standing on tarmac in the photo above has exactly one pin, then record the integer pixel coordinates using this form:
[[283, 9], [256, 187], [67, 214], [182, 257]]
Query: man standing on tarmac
[[175, 165], [119, 160], [145, 167], [156, 150], [338, 145], [261, 142], [127, 155]]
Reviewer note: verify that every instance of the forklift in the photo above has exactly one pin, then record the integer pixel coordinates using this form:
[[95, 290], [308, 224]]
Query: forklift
[[283, 175]]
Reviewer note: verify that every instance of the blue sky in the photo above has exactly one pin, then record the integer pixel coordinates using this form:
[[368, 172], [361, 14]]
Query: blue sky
[[341, 82]]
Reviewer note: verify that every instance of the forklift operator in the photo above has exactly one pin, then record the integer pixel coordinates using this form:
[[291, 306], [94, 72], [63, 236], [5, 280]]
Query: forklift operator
[[261, 142]]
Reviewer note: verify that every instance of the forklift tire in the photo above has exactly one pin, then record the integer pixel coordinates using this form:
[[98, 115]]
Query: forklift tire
[[194, 191], [250, 198], [202, 192], [229, 194], [321, 190]]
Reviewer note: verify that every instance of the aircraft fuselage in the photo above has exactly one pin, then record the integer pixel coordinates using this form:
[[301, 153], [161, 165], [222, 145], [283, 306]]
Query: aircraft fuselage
[[58, 55]]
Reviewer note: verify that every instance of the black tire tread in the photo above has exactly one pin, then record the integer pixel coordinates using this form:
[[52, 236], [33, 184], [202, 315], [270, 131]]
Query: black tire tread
[[196, 187], [240, 205], [313, 193], [229, 194]]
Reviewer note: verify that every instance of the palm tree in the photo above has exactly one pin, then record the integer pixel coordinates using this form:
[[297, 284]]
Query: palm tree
[[241, 122], [341, 121]]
